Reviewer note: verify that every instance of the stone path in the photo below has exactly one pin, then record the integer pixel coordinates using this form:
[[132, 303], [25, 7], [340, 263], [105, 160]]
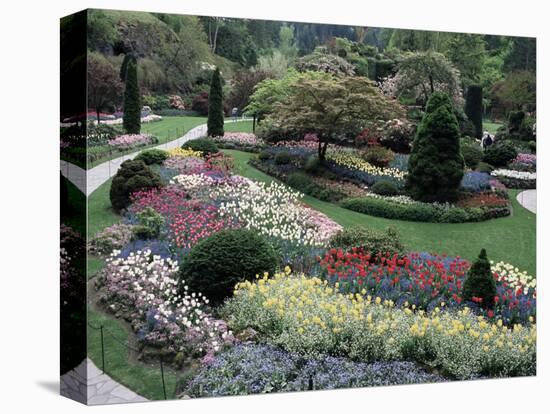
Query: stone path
[[102, 172], [528, 199], [87, 384]]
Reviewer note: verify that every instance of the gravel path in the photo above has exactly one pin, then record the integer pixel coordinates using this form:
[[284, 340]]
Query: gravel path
[[528, 199]]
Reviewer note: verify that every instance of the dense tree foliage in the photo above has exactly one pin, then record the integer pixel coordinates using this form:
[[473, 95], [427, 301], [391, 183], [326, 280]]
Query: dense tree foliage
[[104, 86], [474, 108], [334, 108]]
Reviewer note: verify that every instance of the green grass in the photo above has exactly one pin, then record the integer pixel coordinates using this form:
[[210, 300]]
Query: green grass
[[491, 127], [241, 126], [100, 212], [166, 130], [511, 239], [120, 362]]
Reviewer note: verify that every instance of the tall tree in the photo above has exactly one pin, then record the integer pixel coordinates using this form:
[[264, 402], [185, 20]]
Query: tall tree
[[474, 108], [436, 165], [132, 102], [104, 86], [523, 55], [215, 106], [334, 108]]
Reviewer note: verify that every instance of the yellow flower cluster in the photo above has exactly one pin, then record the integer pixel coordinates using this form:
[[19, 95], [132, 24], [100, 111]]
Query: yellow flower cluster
[[514, 276], [184, 153], [352, 160], [314, 318]]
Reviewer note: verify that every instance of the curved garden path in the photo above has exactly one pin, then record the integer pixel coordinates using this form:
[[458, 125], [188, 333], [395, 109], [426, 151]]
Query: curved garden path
[[88, 181], [88, 385], [528, 199]]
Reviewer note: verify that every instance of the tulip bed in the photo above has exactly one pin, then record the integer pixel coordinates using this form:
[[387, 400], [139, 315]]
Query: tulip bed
[[328, 318]]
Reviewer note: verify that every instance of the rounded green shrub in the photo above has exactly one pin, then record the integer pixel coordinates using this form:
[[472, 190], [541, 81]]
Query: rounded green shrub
[[283, 157], [532, 145], [132, 176], [480, 283], [472, 156], [312, 164], [370, 240], [378, 156], [152, 156], [264, 155], [385, 188], [205, 145], [499, 155], [484, 167], [217, 263]]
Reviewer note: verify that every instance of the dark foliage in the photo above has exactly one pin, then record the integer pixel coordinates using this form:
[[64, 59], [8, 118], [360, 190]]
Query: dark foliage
[[480, 284], [215, 106], [132, 104], [474, 108]]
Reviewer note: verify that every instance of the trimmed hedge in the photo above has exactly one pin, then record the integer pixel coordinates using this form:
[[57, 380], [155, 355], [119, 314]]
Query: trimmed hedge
[[421, 212], [152, 156], [369, 240], [205, 145]]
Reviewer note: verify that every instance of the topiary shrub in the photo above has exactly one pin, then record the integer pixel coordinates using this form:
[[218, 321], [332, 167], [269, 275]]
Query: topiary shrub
[[370, 240], [215, 106], [205, 145], [472, 156], [152, 156], [480, 285], [385, 188], [436, 165], [217, 263], [378, 156], [499, 155], [282, 158], [132, 176]]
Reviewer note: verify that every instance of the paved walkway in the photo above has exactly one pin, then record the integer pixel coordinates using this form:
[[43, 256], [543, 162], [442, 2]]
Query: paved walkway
[[88, 385], [528, 199], [102, 172]]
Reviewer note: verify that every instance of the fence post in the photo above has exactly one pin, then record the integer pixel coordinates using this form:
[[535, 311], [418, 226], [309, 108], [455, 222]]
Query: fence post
[[162, 375], [102, 350]]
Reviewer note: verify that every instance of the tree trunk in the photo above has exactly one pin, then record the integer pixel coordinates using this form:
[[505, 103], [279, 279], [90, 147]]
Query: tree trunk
[[431, 84], [98, 117], [322, 151]]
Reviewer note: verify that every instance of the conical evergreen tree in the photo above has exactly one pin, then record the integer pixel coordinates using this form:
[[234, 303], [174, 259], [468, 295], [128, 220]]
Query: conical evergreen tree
[[215, 106], [474, 108], [436, 165], [132, 105], [480, 283]]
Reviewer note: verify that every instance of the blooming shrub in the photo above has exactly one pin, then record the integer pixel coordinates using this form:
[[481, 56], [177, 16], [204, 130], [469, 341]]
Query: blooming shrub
[[524, 162], [142, 289], [186, 165], [128, 141], [253, 369], [397, 135], [306, 316], [111, 238]]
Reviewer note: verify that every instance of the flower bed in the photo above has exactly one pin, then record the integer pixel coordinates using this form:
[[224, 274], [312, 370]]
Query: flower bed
[[124, 142], [255, 369], [142, 290], [242, 141], [516, 179], [524, 162], [425, 281], [305, 316]]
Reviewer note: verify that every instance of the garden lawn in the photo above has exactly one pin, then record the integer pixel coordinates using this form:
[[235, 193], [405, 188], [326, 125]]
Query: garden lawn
[[510, 239], [241, 126], [491, 127], [144, 379]]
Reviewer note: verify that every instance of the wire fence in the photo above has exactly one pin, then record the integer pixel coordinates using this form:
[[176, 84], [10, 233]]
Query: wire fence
[[103, 332]]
